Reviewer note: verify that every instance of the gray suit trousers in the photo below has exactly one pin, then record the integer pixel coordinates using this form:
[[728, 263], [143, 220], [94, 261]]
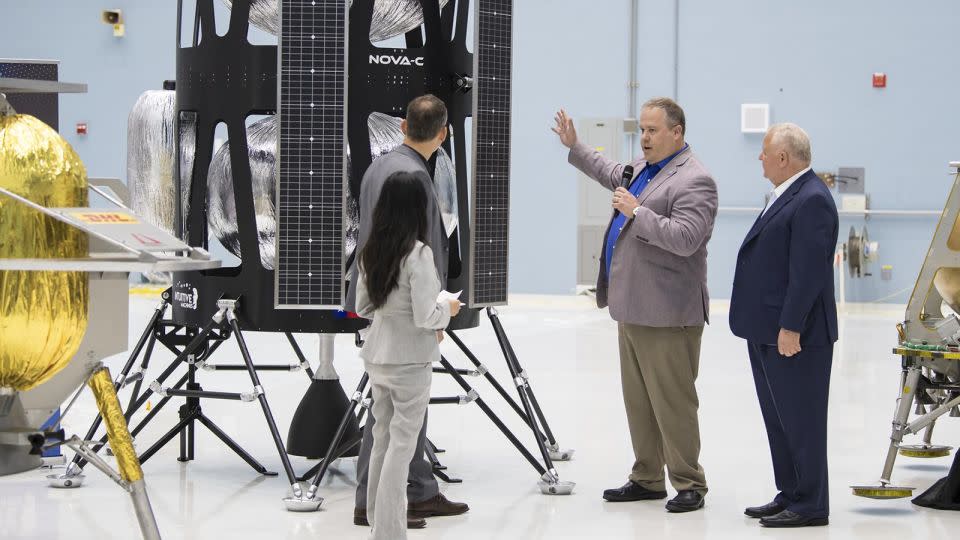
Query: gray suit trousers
[[401, 394], [421, 484]]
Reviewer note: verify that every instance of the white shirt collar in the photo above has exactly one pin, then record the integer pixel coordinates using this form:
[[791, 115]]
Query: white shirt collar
[[779, 190]]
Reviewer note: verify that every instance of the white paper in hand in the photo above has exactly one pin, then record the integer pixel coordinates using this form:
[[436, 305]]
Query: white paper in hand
[[447, 295]]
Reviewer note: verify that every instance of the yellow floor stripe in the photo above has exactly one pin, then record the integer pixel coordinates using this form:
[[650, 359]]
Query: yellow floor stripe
[[147, 290]]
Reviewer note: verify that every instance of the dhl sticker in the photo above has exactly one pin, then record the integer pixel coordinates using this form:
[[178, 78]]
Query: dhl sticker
[[105, 218]]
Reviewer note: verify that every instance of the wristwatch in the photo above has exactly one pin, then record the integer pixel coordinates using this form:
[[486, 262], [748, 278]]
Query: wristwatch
[[636, 211]]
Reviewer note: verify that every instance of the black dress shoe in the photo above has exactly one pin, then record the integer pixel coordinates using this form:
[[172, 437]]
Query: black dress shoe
[[360, 519], [632, 491], [769, 509], [436, 506], [686, 500], [787, 518]]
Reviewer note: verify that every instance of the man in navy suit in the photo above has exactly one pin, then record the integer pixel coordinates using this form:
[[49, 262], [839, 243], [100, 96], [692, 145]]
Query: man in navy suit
[[783, 305]]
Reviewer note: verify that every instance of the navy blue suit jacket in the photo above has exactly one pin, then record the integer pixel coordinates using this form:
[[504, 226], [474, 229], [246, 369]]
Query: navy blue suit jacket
[[784, 276]]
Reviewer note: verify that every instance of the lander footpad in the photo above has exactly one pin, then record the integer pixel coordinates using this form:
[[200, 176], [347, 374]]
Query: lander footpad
[[883, 492], [65, 480], [925, 451]]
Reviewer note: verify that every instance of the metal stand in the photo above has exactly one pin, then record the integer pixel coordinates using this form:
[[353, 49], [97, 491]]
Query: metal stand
[[337, 448], [154, 330], [130, 476], [167, 334], [439, 469], [553, 447], [913, 387], [531, 413], [310, 502], [136, 488], [190, 412], [199, 347], [550, 481]]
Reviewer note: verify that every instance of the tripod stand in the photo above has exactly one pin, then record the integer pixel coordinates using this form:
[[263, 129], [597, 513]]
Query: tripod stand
[[197, 347], [531, 414]]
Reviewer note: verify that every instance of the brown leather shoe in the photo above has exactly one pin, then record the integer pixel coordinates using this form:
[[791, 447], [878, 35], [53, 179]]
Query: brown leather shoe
[[360, 518], [436, 506]]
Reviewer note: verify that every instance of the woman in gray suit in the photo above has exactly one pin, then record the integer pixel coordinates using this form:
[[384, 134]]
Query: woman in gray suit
[[398, 290]]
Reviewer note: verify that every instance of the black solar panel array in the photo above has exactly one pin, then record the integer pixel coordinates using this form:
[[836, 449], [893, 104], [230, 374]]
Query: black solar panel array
[[311, 153], [490, 214]]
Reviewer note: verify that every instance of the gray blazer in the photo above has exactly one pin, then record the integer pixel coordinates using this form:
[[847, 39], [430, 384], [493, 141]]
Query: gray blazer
[[403, 330], [658, 273], [400, 159]]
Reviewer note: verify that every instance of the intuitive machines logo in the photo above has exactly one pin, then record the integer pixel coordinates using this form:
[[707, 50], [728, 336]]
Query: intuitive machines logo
[[185, 296]]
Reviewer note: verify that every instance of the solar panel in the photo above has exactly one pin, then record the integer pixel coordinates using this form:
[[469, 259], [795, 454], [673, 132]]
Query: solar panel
[[490, 213], [44, 106], [310, 188]]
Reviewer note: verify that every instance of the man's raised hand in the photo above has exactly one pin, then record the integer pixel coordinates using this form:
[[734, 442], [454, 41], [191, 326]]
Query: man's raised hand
[[564, 128]]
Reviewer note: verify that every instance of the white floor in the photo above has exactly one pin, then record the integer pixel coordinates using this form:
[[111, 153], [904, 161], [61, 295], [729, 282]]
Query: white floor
[[569, 349]]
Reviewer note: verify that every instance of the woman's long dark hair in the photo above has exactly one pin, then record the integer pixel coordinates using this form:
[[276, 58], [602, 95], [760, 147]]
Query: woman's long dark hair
[[399, 220]]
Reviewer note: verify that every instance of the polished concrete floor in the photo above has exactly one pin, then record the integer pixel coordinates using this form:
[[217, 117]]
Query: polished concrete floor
[[569, 349]]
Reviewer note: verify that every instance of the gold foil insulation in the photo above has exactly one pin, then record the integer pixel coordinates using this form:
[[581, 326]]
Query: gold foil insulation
[[43, 315], [120, 441]]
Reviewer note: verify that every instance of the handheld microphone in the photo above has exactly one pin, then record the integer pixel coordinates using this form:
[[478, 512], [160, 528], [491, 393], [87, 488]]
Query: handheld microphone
[[627, 176]]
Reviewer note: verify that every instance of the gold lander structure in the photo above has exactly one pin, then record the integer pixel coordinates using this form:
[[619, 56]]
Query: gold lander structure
[[64, 294], [929, 346]]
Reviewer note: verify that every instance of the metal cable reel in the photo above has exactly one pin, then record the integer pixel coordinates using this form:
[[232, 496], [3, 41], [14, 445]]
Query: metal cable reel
[[859, 251]]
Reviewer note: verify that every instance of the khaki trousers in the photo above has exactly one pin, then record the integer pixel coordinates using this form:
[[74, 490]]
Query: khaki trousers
[[658, 369]]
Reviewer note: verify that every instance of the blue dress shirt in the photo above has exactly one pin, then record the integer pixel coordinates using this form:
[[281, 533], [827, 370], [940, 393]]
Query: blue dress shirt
[[636, 186]]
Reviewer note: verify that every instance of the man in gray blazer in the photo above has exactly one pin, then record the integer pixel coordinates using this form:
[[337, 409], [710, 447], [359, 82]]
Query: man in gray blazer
[[653, 275], [424, 129]]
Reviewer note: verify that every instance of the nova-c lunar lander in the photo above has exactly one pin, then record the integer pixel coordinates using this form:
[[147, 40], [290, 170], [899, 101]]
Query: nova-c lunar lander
[[281, 194]]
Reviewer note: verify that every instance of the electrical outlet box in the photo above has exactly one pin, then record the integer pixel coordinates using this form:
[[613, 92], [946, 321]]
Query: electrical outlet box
[[853, 203]]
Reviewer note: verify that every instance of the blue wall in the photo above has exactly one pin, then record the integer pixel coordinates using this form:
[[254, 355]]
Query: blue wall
[[811, 61], [117, 70], [565, 56]]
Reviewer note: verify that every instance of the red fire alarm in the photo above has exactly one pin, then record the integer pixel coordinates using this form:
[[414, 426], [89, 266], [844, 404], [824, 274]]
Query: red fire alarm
[[879, 80], [81, 128]]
